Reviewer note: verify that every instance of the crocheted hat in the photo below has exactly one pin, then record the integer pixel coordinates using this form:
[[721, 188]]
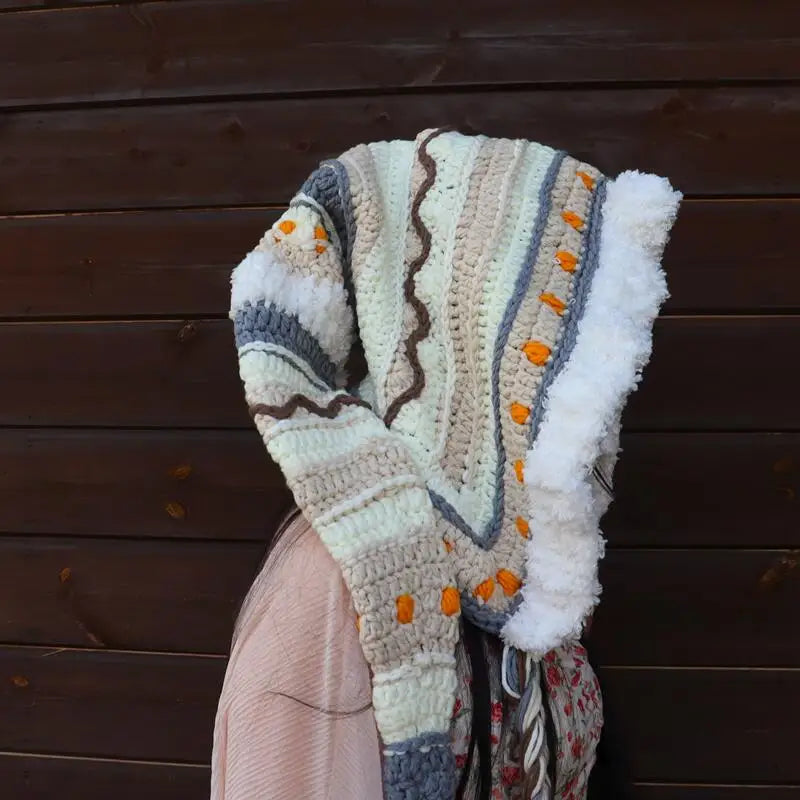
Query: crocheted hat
[[504, 295]]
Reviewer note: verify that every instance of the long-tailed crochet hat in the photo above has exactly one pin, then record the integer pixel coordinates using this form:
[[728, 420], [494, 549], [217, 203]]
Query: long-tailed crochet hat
[[504, 295]]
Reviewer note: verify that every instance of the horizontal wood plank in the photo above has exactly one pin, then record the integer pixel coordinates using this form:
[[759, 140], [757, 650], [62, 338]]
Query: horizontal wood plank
[[724, 255], [672, 490], [698, 608], [732, 254], [72, 702], [706, 490], [108, 704], [176, 596], [706, 725], [259, 152], [40, 777], [34, 778], [125, 264], [718, 373], [203, 47], [192, 484], [707, 373], [686, 791], [728, 607]]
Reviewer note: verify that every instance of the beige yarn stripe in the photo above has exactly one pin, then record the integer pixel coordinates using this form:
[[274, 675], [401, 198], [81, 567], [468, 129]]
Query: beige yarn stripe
[[478, 239]]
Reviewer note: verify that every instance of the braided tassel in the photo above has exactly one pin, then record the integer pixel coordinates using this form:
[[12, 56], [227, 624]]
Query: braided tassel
[[522, 681]]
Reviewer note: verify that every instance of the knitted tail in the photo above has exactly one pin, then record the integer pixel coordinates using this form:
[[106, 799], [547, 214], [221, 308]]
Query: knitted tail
[[357, 484]]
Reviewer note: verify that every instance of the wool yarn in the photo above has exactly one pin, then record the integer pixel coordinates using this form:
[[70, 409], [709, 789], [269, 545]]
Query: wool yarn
[[504, 294]]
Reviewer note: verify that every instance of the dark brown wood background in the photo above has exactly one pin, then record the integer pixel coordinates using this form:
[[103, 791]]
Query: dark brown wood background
[[145, 146]]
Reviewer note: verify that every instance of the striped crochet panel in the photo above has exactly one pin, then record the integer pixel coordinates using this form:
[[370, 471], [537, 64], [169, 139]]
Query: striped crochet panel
[[464, 265]]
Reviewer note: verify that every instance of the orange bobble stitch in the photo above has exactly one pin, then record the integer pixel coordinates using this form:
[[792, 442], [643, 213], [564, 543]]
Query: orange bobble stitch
[[523, 528], [571, 218], [448, 545], [554, 302], [520, 413], [405, 608], [537, 353], [287, 226], [451, 601], [588, 180], [509, 581], [519, 466], [567, 260], [321, 234], [485, 589]]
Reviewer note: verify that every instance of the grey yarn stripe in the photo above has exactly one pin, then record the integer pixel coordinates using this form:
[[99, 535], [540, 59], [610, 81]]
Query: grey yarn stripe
[[486, 618], [268, 348], [488, 537], [520, 290], [270, 324], [424, 769], [576, 306]]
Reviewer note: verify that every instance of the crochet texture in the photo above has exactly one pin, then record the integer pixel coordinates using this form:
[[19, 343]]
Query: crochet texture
[[503, 293]]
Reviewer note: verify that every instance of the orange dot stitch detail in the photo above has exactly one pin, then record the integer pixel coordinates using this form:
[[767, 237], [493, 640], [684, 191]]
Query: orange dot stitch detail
[[523, 527], [509, 581], [518, 468], [320, 248], [536, 352], [588, 180], [485, 589], [520, 413], [451, 601], [448, 545], [405, 608], [320, 233], [566, 260], [287, 226], [358, 623], [571, 218], [554, 302]]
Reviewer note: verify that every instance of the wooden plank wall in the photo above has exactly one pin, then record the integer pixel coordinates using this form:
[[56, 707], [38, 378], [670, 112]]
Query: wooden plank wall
[[145, 146]]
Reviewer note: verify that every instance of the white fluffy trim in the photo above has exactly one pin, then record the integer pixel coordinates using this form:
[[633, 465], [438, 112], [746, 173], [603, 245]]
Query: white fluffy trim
[[320, 305], [582, 406]]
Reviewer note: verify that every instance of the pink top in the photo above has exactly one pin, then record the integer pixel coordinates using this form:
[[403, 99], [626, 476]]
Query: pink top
[[296, 638], [295, 717]]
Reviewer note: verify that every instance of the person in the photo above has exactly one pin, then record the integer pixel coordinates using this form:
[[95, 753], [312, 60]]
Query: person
[[414, 633], [295, 713]]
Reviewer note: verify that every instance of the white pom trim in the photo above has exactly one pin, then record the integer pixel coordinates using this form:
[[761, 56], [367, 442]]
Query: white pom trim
[[320, 305], [582, 406]]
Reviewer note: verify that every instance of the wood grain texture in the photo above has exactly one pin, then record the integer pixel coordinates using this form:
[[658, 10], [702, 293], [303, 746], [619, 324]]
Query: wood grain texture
[[34, 778], [715, 373], [707, 726], [259, 152], [698, 608], [672, 489], [203, 47], [73, 702], [684, 791], [108, 704], [689, 607], [187, 484], [706, 490], [133, 595], [128, 264], [179, 262], [27, 777], [733, 254]]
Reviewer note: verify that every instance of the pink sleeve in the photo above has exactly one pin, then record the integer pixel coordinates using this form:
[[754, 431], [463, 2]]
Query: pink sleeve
[[295, 716]]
